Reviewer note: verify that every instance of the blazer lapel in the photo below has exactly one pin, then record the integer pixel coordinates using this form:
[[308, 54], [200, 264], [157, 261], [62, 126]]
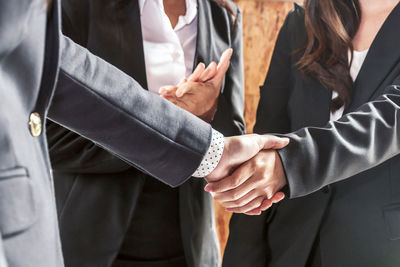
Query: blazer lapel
[[382, 57], [132, 47], [203, 35], [210, 44]]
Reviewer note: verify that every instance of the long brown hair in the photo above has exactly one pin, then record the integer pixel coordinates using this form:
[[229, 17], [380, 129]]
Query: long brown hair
[[331, 26]]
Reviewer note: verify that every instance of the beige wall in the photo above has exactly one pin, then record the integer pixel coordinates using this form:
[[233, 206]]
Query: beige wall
[[262, 20]]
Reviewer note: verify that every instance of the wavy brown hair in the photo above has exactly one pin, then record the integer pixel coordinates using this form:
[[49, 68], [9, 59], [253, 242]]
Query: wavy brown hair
[[331, 26]]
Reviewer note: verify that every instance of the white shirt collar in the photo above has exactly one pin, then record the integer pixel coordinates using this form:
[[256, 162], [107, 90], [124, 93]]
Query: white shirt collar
[[191, 11], [141, 5]]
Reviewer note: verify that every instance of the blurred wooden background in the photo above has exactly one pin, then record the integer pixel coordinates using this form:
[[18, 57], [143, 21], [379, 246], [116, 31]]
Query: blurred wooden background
[[262, 20]]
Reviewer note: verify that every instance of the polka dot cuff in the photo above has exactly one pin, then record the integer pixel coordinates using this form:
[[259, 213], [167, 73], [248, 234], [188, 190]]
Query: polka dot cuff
[[213, 155]]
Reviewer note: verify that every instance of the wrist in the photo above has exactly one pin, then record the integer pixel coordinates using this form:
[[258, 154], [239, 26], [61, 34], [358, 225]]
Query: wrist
[[220, 170]]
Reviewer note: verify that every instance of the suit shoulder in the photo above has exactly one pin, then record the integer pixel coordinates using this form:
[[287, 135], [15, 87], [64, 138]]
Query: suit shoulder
[[295, 18], [294, 27]]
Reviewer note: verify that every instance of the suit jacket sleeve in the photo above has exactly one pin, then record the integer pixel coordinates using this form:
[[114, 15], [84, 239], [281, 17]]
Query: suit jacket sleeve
[[70, 152], [3, 261], [103, 104], [229, 116], [360, 140]]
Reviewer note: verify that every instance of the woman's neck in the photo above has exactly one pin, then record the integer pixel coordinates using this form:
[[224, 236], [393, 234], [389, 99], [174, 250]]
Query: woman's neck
[[371, 5], [373, 15], [174, 9]]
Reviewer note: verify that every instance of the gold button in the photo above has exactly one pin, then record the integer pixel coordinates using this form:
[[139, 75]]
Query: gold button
[[35, 123]]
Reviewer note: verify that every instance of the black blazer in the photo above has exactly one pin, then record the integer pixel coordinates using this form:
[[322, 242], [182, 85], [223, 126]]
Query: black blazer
[[97, 192], [344, 185], [43, 74]]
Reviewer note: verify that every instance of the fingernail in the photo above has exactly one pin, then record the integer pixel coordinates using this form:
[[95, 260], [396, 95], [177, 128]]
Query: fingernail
[[207, 188], [228, 210]]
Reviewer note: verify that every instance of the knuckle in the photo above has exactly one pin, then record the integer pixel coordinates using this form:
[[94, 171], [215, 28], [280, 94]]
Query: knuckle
[[236, 180], [238, 202], [259, 179], [235, 195]]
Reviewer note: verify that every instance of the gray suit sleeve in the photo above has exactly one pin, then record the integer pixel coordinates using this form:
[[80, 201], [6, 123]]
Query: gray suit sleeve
[[360, 140], [103, 104], [3, 261]]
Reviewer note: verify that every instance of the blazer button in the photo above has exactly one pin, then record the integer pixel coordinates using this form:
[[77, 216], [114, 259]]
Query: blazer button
[[326, 189], [35, 124]]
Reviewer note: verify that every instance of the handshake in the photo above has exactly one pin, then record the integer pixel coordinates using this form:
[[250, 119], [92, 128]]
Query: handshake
[[250, 174]]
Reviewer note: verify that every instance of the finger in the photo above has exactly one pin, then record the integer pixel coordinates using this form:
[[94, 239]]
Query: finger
[[225, 58], [165, 89], [223, 66], [209, 72], [267, 203], [184, 89], [197, 72], [238, 192], [254, 212], [238, 177], [184, 80], [273, 142], [279, 196], [248, 207], [241, 201], [168, 93]]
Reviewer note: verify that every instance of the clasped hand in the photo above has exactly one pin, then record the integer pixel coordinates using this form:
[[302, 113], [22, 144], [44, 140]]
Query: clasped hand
[[250, 173]]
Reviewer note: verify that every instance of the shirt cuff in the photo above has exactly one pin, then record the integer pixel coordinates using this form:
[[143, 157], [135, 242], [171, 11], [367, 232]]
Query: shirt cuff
[[213, 155]]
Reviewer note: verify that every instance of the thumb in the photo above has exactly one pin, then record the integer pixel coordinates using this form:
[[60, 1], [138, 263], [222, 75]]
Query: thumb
[[273, 142], [166, 89]]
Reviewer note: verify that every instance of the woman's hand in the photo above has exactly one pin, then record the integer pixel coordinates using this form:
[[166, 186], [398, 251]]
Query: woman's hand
[[201, 100], [199, 93], [253, 187]]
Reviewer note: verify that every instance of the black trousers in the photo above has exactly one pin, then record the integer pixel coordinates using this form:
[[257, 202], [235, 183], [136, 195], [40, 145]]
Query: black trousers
[[154, 236], [314, 260]]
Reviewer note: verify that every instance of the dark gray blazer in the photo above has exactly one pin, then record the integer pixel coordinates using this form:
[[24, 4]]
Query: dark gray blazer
[[96, 192], [92, 98], [343, 177]]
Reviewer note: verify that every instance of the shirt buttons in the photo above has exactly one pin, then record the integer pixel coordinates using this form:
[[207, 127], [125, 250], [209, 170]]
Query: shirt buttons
[[35, 124], [176, 56]]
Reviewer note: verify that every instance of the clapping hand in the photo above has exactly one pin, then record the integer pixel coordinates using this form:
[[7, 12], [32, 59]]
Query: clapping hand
[[199, 93]]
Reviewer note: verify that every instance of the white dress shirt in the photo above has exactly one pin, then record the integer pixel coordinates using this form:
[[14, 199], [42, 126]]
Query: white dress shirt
[[169, 52], [358, 61], [169, 55]]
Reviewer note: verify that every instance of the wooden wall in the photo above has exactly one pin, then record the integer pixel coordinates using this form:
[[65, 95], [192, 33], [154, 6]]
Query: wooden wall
[[262, 20]]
